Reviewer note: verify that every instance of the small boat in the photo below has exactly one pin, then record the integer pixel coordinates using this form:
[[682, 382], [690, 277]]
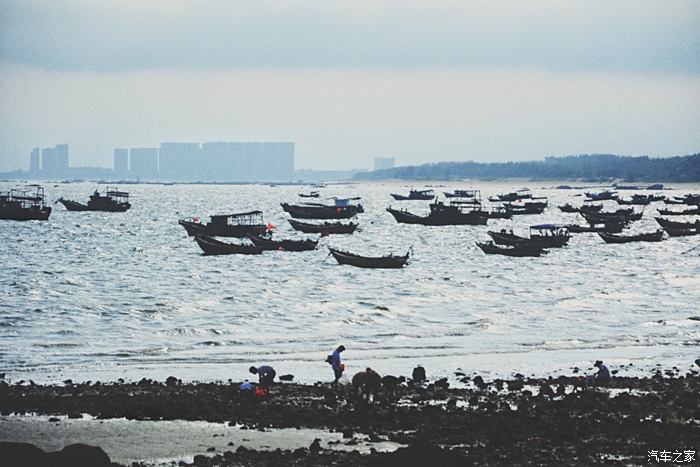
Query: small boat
[[682, 232], [585, 208], [462, 194], [526, 207], [520, 250], [609, 227], [112, 201], [313, 194], [499, 212], [602, 196], [322, 211], [615, 217], [24, 204], [674, 200], [675, 225], [685, 212], [238, 225], [455, 213], [637, 200], [543, 236], [415, 195], [644, 237], [381, 262], [211, 246], [325, 228], [268, 244], [523, 193]]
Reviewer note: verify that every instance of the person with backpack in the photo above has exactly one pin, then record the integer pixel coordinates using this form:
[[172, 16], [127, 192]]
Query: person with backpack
[[336, 364]]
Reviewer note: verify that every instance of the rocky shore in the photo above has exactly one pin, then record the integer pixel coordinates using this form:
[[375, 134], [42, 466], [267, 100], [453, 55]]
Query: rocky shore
[[519, 421]]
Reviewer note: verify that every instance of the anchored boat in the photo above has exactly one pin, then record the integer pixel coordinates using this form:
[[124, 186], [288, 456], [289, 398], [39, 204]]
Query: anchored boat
[[227, 225], [112, 201], [24, 204], [381, 262]]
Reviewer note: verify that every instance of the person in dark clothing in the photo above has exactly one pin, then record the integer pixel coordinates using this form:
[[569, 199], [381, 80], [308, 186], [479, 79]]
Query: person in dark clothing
[[603, 376], [337, 366], [266, 375]]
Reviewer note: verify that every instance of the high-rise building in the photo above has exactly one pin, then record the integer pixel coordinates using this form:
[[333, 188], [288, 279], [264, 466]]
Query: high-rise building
[[144, 163], [179, 161], [121, 162], [249, 161], [35, 161], [381, 163], [55, 160]]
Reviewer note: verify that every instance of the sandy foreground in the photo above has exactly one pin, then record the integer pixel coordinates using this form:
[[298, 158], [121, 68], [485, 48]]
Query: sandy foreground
[[484, 422]]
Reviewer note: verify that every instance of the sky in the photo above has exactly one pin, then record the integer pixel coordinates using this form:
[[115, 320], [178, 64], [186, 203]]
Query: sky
[[348, 81]]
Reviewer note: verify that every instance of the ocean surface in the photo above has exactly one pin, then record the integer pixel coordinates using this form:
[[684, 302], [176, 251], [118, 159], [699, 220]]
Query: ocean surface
[[102, 296]]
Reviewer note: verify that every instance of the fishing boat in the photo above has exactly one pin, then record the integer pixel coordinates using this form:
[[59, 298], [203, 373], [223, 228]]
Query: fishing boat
[[499, 212], [112, 200], [637, 200], [585, 208], [686, 212], [520, 250], [543, 236], [526, 207], [381, 262], [325, 228], [675, 225], [523, 193], [322, 211], [682, 232], [609, 227], [455, 213], [313, 194], [269, 244], [238, 225], [606, 217], [602, 196], [656, 236], [462, 194], [211, 246], [415, 195], [24, 204]]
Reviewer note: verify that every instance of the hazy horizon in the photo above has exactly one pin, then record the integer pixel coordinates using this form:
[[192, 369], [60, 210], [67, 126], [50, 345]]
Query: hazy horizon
[[484, 81]]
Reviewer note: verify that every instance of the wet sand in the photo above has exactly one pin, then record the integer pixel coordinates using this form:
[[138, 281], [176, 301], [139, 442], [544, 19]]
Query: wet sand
[[494, 423]]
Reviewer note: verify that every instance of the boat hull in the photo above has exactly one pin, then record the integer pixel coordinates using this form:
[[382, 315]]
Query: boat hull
[[283, 245], [325, 228], [238, 231], [384, 262], [212, 246], [19, 214], [438, 219], [648, 237], [321, 212], [516, 251]]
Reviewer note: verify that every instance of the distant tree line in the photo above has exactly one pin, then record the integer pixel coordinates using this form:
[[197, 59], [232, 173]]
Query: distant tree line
[[586, 167]]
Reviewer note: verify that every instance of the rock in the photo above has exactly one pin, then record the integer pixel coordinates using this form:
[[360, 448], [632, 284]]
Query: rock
[[200, 461], [54, 419], [418, 374], [211, 449], [347, 433], [286, 378], [479, 382], [77, 455], [171, 381], [315, 445], [230, 443], [17, 454], [442, 383]]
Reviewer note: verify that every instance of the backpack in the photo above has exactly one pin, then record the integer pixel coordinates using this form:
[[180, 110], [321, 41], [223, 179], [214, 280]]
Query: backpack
[[329, 359]]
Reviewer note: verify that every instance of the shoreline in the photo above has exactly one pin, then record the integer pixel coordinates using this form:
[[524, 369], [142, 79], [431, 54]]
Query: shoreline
[[490, 422]]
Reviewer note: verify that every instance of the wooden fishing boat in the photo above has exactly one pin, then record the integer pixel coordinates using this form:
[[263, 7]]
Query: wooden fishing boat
[[676, 225], [415, 195], [381, 262], [519, 250], [609, 227], [211, 246], [269, 244], [313, 194], [523, 193], [656, 236], [568, 208], [322, 211], [112, 201], [454, 213], [462, 194], [527, 207], [325, 228], [637, 200], [543, 236], [686, 212], [24, 204], [682, 232], [238, 225], [602, 196]]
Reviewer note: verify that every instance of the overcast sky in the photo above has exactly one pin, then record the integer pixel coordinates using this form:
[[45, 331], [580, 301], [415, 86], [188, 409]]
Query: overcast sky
[[348, 81]]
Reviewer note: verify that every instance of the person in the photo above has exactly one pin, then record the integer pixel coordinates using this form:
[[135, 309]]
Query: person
[[336, 364], [266, 375], [697, 362], [602, 377]]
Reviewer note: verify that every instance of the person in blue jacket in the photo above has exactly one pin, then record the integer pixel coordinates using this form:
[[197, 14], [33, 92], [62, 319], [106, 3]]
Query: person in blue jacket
[[266, 375], [337, 366]]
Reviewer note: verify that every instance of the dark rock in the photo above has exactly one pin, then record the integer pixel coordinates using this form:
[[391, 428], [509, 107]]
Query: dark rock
[[347, 433], [200, 461], [54, 419], [315, 445], [479, 382], [287, 378], [22, 454], [418, 374], [171, 381], [211, 449], [76, 455]]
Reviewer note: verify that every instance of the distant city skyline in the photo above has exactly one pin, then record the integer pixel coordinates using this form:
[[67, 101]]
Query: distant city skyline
[[350, 81]]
